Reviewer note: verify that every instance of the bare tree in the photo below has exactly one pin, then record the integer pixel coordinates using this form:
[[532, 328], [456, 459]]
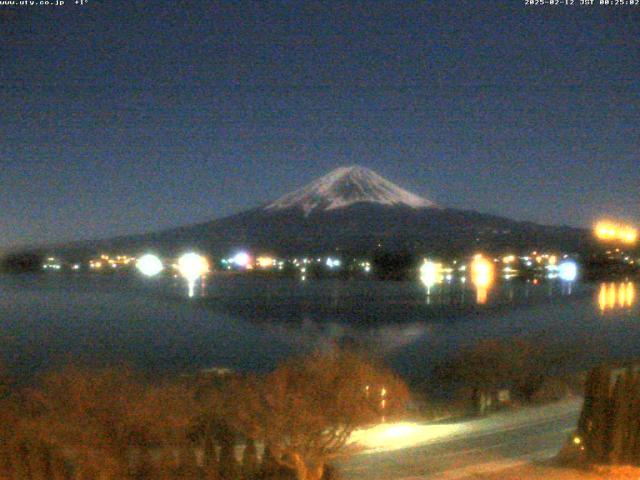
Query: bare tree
[[307, 409]]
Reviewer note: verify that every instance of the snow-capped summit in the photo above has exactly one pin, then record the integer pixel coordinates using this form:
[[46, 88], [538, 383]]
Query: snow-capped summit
[[345, 186]]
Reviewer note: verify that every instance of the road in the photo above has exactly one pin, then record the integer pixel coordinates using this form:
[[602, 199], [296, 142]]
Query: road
[[465, 449]]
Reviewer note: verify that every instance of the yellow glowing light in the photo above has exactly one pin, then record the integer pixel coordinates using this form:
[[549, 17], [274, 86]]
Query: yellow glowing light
[[622, 295], [481, 271], [265, 262], [509, 259], [430, 273], [395, 436], [192, 266], [612, 296], [553, 260], [482, 276], [609, 231]]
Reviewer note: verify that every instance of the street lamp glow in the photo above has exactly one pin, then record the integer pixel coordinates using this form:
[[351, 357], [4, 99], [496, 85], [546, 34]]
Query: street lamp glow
[[241, 259], [482, 276], [192, 266], [568, 271], [481, 272], [149, 265], [430, 274], [333, 262]]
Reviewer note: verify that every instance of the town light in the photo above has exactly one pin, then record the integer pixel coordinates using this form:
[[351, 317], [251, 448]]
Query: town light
[[482, 273], [241, 259], [568, 271], [192, 266], [332, 262], [149, 265], [609, 231], [265, 262], [430, 274]]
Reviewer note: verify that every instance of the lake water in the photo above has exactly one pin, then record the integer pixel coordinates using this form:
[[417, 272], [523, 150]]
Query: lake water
[[249, 323]]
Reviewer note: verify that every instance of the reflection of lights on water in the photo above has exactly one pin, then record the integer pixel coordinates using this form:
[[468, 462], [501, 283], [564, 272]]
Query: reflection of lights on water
[[149, 265], [482, 275], [568, 271], [613, 296], [192, 266]]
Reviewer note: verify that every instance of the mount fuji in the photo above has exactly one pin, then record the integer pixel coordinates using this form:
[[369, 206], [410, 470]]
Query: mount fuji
[[347, 186], [352, 210]]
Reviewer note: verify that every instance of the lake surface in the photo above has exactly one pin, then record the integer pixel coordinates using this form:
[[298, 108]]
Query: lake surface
[[249, 323]]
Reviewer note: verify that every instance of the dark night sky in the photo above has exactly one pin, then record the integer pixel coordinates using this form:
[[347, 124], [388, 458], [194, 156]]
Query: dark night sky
[[123, 117]]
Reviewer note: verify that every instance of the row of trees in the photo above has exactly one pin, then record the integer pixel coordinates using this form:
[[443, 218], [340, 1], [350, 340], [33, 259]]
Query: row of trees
[[83, 424], [523, 366]]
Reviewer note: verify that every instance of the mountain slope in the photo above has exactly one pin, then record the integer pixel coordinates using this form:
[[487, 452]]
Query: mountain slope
[[353, 210]]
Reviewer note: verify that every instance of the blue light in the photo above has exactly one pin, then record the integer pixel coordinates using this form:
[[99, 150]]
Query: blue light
[[568, 271]]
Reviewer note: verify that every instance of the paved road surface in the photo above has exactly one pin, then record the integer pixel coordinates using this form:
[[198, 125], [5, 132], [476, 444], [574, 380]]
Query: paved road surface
[[462, 450]]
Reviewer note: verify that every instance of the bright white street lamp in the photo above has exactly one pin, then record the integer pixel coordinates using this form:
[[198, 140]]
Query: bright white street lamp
[[192, 266], [149, 265], [568, 271]]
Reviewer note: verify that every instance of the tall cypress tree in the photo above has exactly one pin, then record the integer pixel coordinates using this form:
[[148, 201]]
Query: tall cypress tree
[[619, 427], [594, 420], [633, 451]]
